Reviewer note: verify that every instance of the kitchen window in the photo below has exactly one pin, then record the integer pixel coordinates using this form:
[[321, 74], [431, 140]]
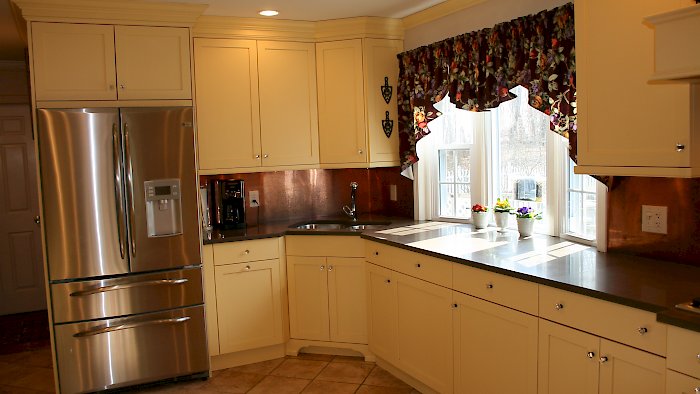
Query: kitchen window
[[508, 152]]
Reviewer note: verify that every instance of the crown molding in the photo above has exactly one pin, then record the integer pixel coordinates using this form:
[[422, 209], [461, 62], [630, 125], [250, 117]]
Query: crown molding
[[254, 28], [361, 27], [111, 11], [437, 11]]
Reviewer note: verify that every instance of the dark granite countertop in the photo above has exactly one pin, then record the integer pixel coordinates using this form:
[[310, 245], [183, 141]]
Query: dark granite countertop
[[643, 283]]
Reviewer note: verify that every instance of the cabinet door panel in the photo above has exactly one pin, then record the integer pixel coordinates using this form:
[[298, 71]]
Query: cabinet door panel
[[308, 298], [288, 105], [495, 348], [677, 383], [381, 288], [424, 338], [153, 62], [630, 371], [73, 61], [564, 365], [347, 298], [341, 117], [249, 305], [228, 112]]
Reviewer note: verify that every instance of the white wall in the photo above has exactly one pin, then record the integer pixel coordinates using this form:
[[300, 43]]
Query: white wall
[[480, 16]]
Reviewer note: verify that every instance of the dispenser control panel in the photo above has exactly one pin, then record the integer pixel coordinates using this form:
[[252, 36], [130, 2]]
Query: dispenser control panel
[[163, 207]]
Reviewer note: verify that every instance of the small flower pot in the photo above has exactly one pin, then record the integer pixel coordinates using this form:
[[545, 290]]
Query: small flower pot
[[480, 219], [525, 226], [501, 220]]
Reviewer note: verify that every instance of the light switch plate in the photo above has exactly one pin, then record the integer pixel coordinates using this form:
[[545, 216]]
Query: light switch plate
[[253, 198], [654, 219]]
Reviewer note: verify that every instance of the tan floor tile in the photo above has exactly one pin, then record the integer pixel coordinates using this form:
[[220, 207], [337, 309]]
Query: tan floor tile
[[296, 368], [365, 389], [38, 358], [9, 372], [280, 385], [40, 379], [380, 377], [321, 387], [345, 372], [313, 356], [232, 381], [261, 368]]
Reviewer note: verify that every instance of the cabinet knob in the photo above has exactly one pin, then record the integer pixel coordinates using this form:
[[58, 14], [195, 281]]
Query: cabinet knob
[[489, 285], [559, 307], [376, 253], [265, 156], [322, 267], [455, 306], [417, 265], [257, 156], [247, 268], [246, 251], [122, 86], [590, 354], [37, 219], [330, 268], [697, 390], [359, 152], [642, 330], [603, 359], [698, 356], [388, 281], [680, 147]]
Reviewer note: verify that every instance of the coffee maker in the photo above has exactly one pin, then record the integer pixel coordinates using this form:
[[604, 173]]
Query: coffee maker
[[228, 202]]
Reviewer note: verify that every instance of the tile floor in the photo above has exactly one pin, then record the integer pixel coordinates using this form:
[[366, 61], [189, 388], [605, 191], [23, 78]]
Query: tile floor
[[31, 372]]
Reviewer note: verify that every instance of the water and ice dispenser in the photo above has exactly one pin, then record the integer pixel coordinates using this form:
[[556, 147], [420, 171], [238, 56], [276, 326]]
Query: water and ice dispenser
[[163, 207]]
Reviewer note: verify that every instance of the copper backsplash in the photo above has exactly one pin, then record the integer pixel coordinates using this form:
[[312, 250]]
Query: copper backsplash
[[306, 194], [681, 196]]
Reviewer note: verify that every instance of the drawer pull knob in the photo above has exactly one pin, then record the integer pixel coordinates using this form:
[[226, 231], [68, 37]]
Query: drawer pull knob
[[603, 359], [376, 253], [247, 267], [246, 251], [698, 356], [590, 354], [388, 281], [642, 330], [489, 286], [679, 147], [559, 307], [697, 390], [455, 306], [330, 268], [417, 265], [322, 267]]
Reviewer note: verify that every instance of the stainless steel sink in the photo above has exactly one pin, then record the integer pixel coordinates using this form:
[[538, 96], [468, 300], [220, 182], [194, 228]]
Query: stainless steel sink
[[367, 226], [321, 226], [341, 225]]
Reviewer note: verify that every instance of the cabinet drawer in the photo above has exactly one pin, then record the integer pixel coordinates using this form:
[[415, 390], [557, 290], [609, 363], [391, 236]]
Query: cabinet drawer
[[684, 351], [242, 251], [424, 267], [324, 246], [501, 289], [620, 323], [677, 383]]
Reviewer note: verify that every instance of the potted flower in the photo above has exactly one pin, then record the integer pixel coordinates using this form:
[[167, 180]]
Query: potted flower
[[480, 216], [501, 212], [526, 217]]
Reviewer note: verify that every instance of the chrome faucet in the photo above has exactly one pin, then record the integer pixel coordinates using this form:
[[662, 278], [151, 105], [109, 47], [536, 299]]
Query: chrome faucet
[[352, 209]]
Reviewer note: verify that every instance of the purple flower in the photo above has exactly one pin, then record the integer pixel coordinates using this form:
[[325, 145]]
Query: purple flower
[[524, 210]]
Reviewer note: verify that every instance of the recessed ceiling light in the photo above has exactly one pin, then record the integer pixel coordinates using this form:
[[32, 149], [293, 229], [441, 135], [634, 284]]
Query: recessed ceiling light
[[268, 13]]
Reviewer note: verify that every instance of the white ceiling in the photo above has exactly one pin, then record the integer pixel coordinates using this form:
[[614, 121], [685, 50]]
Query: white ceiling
[[313, 10]]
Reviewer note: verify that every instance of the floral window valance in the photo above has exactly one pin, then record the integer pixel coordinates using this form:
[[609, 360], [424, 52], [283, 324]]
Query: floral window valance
[[478, 69]]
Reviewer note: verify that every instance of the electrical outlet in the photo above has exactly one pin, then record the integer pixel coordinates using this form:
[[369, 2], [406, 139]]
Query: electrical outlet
[[392, 193], [253, 198], [654, 219]]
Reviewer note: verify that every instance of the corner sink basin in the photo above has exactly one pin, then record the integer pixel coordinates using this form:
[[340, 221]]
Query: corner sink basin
[[374, 226], [321, 226]]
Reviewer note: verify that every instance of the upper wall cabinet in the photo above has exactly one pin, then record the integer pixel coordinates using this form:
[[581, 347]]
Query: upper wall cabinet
[[105, 62], [627, 126], [677, 58], [256, 105], [351, 75]]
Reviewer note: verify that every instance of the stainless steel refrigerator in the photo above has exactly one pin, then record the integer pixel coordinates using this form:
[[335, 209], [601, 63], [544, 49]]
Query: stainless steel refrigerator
[[119, 192]]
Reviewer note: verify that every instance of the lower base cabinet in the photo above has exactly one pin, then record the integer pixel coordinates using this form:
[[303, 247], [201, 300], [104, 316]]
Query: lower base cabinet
[[495, 348], [572, 361], [381, 313], [678, 383], [249, 307]]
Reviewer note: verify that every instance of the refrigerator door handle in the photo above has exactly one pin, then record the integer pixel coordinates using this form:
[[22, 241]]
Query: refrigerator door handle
[[119, 188], [105, 330], [130, 188], [103, 289]]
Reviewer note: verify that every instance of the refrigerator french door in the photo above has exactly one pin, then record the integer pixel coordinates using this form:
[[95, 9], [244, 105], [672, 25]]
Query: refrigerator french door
[[119, 193]]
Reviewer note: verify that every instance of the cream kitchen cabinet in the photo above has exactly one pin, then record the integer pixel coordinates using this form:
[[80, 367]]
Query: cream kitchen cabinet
[[245, 294], [627, 126], [256, 105], [572, 361], [683, 362], [382, 312], [351, 107], [327, 289], [105, 62]]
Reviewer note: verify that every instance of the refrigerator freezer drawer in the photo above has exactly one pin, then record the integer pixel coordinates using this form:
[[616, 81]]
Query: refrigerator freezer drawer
[[121, 352], [100, 299]]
